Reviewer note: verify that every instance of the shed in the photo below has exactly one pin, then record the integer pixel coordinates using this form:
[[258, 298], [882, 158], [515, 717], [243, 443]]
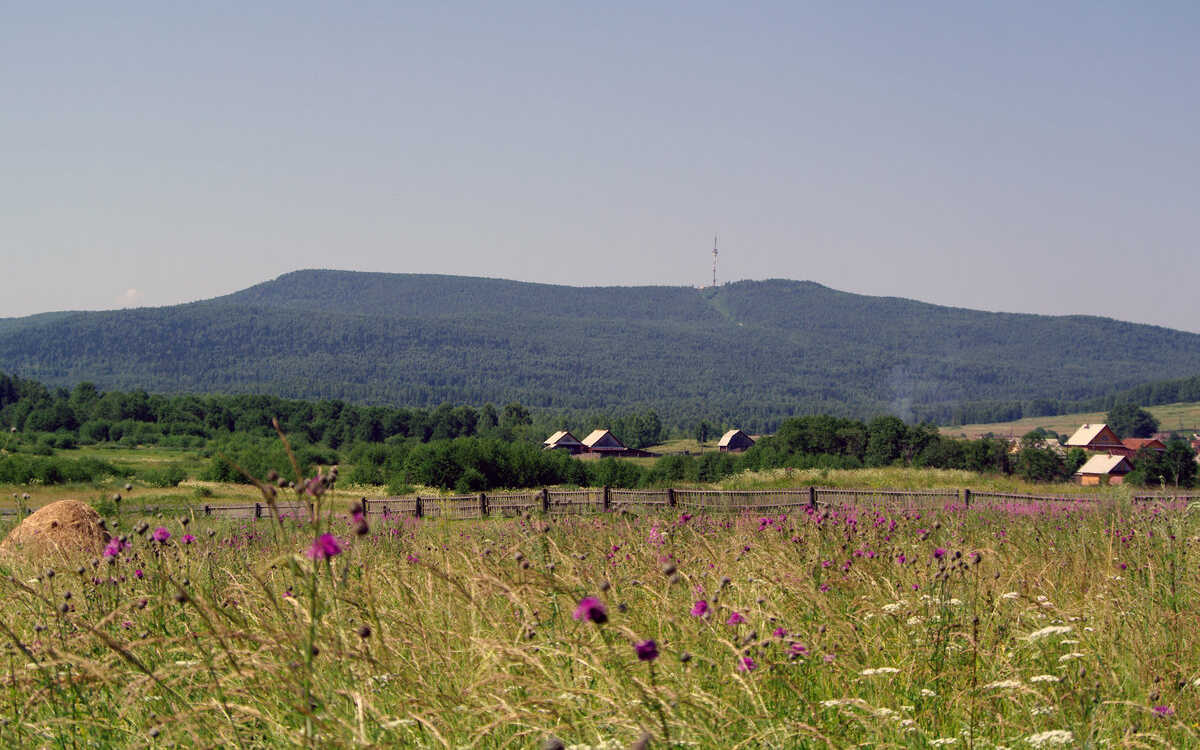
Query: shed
[[1104, 469], [1096, 437], [735, 441], [563, 440]]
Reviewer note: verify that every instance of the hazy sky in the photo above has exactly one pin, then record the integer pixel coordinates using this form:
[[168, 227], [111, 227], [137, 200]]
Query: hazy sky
[[1024, 156]]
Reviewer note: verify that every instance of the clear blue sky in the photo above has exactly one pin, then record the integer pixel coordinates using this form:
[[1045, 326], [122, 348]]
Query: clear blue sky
[[1018, 156]]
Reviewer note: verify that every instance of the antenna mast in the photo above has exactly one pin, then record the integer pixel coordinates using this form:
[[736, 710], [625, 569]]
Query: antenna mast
[[714, 260]]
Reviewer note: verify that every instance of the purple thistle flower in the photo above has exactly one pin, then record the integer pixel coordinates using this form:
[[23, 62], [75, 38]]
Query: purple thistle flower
[[591, 609], [700, 608], [188, 539], [735, 618], [325, 547], [939, 553], [746, 664], [646, 650], [138, 573], [161, 534], [115, 547], [779, 633], [798, 649], [1164, 711]]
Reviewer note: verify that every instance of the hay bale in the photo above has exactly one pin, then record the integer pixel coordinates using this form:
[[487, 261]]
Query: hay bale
[[67, 528]]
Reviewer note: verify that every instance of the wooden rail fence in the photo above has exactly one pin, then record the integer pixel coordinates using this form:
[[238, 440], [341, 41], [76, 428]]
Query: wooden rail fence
[[605, 499]]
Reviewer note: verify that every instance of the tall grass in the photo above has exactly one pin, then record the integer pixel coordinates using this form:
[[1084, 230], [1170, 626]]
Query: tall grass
[[978, 628]]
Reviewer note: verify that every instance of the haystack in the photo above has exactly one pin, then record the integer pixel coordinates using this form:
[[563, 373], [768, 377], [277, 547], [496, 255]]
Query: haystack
[[67, 527]]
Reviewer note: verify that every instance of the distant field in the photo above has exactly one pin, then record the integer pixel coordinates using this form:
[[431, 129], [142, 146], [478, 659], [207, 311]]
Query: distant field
[[1180, 417]]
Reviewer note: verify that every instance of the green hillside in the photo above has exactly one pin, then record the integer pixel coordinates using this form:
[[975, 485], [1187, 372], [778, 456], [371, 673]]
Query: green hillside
[[752, 352]]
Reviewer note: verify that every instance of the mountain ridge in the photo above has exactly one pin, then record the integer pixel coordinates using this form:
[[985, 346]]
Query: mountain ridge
[[747, 350]]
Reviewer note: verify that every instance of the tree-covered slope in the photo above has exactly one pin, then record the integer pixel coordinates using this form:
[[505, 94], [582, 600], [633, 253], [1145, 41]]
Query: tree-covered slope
[[748, 350]]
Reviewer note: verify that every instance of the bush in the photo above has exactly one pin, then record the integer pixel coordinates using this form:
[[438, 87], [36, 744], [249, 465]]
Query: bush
[[260, 455], [22, 469], [166, 476]]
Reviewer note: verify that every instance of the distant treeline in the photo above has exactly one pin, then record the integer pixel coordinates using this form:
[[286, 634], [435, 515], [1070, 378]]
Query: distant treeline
[[470, 465], [64, 418], [459, 447], [1149, 394]]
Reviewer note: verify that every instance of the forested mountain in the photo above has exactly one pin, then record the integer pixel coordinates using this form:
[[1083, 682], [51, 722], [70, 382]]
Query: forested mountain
[[750, 352]]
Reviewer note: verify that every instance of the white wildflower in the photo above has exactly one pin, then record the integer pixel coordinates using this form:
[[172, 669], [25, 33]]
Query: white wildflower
[[1043, 678], [1070, 656], [884, 712], [893, 607], [908, 723], [1048, 631], [927, 693], [1051, 738], [1002, 684], [943, 741], [1043, 710], [914, 620], [1042, 598], [1011, 595], [1068, 642], [878, 670]]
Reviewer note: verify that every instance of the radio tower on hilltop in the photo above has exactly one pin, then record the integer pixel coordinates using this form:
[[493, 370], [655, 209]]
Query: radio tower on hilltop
[[714, 260]]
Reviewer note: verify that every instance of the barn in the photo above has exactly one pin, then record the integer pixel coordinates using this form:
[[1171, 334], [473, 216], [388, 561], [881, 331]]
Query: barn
[[735, 441], [563, 440], [604, 443], [1104, 469]]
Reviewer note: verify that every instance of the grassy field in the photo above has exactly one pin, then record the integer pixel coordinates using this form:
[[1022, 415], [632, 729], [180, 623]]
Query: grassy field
[[858, 627], [1181, 417]]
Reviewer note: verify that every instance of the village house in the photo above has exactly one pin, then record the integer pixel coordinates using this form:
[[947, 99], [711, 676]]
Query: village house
[[563, 440], [1097, 437], [603, 442], [735, 441], [1104, 469], [1133, 445]]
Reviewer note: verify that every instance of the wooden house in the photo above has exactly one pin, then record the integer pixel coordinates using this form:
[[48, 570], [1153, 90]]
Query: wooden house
[[1104, 469], [1097, 437], [565, 441], [603, 442], [1133, 445], [735, 441]]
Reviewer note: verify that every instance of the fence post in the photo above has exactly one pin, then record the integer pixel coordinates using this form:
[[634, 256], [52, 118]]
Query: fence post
[[812, 497], [208, 510], [365, 502], [670, 497], [545, 501], [483, 506], [966, 496], [258, 510], [418, 511], [606, 499]]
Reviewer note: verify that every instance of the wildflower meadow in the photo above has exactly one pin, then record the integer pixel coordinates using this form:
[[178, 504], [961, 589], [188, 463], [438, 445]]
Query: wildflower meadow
[[1019, 626]]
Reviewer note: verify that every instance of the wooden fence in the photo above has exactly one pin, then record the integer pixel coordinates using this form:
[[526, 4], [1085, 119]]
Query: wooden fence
[[605, 499]]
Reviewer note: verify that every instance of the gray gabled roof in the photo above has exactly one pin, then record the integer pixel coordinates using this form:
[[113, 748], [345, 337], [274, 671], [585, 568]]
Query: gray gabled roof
[[1105, 464]]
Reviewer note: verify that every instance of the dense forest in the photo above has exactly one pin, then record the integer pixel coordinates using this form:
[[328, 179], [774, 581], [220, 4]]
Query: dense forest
[[750, 354]]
